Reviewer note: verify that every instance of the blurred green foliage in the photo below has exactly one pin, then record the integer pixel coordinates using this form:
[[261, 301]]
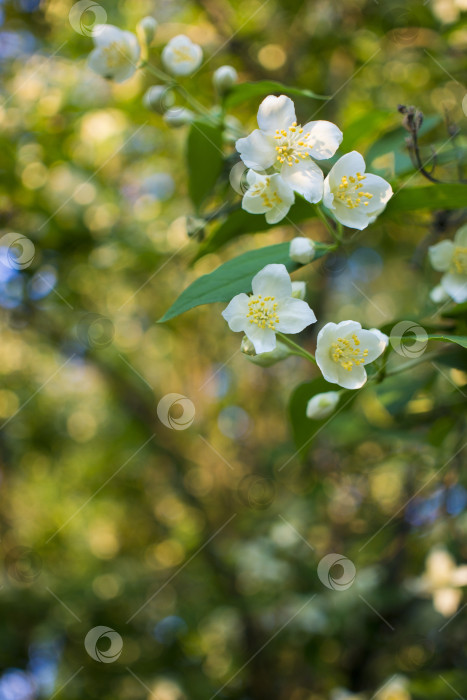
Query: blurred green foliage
[[200, 547]]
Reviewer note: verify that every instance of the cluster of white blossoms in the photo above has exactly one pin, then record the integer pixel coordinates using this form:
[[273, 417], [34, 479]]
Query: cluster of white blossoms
[[450, 257], [281, 155], [342, 350]]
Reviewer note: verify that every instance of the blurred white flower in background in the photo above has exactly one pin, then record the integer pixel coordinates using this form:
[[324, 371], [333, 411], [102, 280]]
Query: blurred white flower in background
[[181, 56], [450, 257], [116, 54]]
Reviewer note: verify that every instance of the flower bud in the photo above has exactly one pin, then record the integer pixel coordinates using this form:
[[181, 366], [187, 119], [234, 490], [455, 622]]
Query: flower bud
[[299, 290], [159, 99], [146, 30], [322, 405], [178, 116], [264, 359], [302, 250], [224, 79]]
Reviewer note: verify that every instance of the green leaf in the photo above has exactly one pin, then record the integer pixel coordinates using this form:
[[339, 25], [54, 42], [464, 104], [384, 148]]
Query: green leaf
[[247, 91], [241, 222], [234, 277], [304, 429], [205, 159], [430, 197], [458, 339]]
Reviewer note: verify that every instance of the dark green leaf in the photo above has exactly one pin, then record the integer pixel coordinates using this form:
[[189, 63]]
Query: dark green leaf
[[247, 91], [240, 222], [233, 277], [205, 158]]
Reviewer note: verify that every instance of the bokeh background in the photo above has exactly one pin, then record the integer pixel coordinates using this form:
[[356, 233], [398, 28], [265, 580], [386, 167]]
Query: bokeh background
[[200, 547]]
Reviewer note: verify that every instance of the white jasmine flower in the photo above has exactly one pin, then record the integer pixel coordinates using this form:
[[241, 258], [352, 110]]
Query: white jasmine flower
[[224, 78], [322, 405], [355, 199], [450, 257], [302, 250], [270, 309], [116, 54], [282, 143], [267, 194], [299, 289], [343, 349], [181, 56]]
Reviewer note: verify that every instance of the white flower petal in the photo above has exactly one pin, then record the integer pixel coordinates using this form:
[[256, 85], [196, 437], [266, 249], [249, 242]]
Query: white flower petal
[[257, 150], [294, 315], [325, 137], [306, 178], [181, 56], [236, 313], [441, 255], [348, 165], [273, 280], [369, 340], [264, 339], [455, 286], [354, 379], [276, 113]]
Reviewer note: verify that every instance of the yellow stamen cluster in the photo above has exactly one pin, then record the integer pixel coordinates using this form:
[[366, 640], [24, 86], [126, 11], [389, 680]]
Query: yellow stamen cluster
[[263, 312], [269, 199], [459, 261], [116, 54], [293, 145], [348, 354], [349, 191], [180, 55]]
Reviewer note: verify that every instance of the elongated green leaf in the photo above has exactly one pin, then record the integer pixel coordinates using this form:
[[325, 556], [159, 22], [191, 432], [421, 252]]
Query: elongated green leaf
[[240, 222], [458, 339], [233, 277], [205, 158], [430, 197], [247, 91]]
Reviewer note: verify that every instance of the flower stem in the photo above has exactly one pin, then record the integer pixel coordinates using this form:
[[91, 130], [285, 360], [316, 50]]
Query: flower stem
[[337, 235], [298, 349]]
